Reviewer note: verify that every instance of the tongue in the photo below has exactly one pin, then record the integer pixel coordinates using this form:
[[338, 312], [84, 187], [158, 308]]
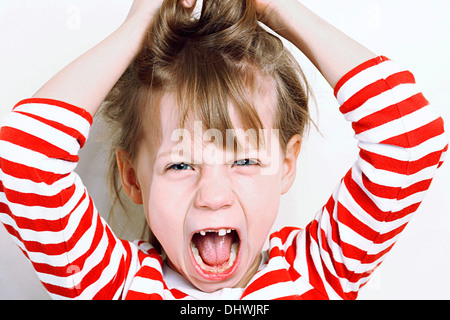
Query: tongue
[[214, 249]]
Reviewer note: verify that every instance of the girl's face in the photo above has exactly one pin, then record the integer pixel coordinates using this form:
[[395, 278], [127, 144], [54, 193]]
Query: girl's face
[[210, 208]]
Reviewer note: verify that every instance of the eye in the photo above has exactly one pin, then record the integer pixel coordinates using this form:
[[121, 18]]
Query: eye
[[179, 167], [246, 162]]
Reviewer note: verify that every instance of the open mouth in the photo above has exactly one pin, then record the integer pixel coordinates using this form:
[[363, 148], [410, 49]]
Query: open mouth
[[215, 252]]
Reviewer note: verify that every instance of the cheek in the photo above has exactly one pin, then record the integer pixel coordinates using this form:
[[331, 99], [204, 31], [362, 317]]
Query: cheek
[[160, 205], [266, 202], [166, 212], [159, 200], [261, 204], [168, 201]]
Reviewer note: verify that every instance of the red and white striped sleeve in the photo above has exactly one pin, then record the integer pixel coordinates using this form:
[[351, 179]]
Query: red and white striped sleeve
[[402, 143], [46, 208]]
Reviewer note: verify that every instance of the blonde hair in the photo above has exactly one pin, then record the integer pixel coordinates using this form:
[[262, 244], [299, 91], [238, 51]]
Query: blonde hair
[[207, 63]]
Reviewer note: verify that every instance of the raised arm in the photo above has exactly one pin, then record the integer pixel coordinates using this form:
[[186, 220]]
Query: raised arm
[[401, 141], [86, 81], [330, 50]]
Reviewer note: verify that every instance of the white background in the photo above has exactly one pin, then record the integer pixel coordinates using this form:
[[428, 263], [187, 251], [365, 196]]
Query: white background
[[39, 37]]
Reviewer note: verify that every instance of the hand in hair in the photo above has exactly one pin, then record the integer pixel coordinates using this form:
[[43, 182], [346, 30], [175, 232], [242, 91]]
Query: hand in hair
[[330, 50], [145, 9], [95, 72]]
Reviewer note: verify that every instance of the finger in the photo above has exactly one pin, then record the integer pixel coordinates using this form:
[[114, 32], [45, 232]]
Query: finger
[[188, 4]]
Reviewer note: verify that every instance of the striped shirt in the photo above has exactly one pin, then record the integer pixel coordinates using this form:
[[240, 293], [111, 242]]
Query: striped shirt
[[50, 215]]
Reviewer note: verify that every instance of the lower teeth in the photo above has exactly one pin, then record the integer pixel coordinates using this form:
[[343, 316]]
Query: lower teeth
[[227, 265]]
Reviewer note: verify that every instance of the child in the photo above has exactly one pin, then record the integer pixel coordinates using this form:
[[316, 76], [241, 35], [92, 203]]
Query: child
[[173, 95]]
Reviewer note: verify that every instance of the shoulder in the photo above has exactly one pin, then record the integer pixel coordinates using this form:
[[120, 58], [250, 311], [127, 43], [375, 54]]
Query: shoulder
[[285, 233], [146, 252], [284, 239]]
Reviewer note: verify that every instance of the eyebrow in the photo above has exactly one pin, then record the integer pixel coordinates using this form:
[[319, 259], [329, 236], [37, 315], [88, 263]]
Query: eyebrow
[[163, 154], [248, 149], [167, 153]]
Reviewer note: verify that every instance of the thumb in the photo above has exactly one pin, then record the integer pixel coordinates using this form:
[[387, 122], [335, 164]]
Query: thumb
[[188, 4]]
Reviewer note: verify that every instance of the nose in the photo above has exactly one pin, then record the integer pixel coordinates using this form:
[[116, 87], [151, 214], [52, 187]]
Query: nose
[[214, 189]]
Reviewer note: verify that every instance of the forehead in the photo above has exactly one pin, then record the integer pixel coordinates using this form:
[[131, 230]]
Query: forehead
[[263, 98]]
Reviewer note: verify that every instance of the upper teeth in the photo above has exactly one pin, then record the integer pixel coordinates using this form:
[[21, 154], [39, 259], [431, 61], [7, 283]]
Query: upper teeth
[[221, 232]]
